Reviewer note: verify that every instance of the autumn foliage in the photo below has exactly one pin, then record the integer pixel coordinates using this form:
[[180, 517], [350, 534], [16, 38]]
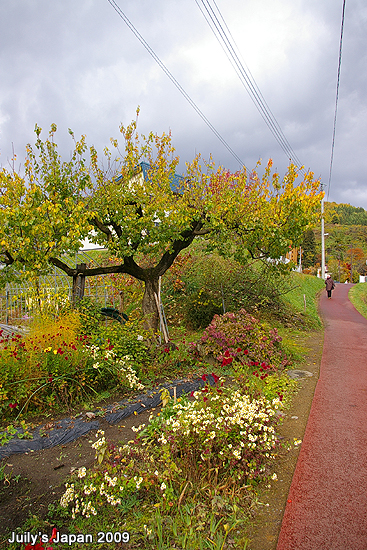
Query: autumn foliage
[[50, 209]]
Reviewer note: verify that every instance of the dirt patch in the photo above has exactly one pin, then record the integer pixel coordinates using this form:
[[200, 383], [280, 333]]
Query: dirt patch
[[36, 479], [268, 515]]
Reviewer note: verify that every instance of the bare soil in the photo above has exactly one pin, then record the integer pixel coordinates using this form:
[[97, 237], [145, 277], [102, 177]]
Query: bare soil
[[35, 480]]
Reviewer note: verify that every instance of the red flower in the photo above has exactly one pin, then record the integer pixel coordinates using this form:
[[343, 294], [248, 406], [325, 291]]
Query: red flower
[[204, 377], [216, 378], [49, 379], [246, 352], [13, 405], [239, 350], [53, 535]]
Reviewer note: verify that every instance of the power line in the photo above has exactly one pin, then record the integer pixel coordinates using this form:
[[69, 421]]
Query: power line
[[336, 98], [221, 31], [172, 78]]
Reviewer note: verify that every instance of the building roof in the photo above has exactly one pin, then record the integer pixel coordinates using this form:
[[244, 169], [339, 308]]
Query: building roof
[[175, 181]]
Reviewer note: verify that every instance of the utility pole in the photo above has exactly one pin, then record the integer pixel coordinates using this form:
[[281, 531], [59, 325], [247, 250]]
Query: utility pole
[[322, 237], [351, 264]]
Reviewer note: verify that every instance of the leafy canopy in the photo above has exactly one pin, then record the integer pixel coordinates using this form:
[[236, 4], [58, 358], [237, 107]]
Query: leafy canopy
[[144, 222]]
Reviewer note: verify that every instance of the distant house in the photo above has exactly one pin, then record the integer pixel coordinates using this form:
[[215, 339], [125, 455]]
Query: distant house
[[142, 171], [142, 174], [293, 255]]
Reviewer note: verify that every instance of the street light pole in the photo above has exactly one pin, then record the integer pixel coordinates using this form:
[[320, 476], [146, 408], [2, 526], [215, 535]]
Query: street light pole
[[322, 238]]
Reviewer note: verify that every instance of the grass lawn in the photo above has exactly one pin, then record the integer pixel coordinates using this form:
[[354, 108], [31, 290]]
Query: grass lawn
[[358, 297]]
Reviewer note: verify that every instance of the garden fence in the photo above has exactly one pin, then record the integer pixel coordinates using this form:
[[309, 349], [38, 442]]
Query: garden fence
[[18, 301]]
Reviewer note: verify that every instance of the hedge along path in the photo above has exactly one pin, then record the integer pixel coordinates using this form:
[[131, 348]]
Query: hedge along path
[[327, 502], [70, 429]]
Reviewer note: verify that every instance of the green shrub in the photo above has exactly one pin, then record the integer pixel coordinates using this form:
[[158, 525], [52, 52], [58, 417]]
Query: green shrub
[[90, 316], [208, 284], [201, 307], [126, 339]]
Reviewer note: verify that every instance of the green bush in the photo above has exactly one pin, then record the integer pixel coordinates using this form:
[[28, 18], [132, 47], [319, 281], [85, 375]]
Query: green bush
[[208, 284], [201, 307], [126, 339]]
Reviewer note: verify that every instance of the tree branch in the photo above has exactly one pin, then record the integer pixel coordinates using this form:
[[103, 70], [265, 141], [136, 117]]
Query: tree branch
[[103, 228], [202, 232], [129, 266], [8, 258]]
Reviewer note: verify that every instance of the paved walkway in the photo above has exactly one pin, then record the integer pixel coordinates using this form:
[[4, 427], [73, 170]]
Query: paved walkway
[[327, 502]]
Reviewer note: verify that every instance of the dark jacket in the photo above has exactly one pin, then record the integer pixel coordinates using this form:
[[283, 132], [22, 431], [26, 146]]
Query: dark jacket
[[329, 284]]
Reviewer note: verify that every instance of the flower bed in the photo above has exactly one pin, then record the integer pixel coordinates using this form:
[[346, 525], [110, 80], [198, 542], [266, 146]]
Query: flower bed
[[55, 366], [188, 473]]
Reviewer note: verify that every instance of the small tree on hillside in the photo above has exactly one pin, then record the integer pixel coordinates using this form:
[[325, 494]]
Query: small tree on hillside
[[308, 248], [145, 222]]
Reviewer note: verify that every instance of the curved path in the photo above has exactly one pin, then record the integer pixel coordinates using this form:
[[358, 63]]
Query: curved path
[[327, 502]]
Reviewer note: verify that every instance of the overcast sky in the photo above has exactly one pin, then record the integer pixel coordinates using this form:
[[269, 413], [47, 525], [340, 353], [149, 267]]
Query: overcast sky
[[77, 64]]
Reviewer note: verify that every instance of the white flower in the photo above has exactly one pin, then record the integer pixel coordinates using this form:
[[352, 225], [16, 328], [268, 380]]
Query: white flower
[[68, 496], [82, 472], [138, 481], [137, 429]]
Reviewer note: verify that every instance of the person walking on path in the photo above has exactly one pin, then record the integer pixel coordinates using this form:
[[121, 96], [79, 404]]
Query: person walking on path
[[330, 285], [326, 508]]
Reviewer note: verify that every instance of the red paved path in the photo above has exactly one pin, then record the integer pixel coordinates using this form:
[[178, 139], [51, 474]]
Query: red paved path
[[327, 502]]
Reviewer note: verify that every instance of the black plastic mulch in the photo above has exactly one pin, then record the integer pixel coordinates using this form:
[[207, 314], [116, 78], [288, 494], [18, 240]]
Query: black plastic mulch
[[70, 429]]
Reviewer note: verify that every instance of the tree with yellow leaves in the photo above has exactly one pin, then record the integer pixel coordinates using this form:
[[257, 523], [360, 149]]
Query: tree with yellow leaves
[[145, 222]]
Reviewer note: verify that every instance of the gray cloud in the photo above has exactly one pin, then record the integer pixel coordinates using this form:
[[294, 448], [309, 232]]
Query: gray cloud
[[78, 65]]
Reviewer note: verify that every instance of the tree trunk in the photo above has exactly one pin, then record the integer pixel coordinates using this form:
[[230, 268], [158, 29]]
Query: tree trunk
[[149, 305]]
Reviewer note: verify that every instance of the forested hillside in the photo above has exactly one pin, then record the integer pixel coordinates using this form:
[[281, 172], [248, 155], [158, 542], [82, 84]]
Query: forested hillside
[[345, 214], [345, 242]]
